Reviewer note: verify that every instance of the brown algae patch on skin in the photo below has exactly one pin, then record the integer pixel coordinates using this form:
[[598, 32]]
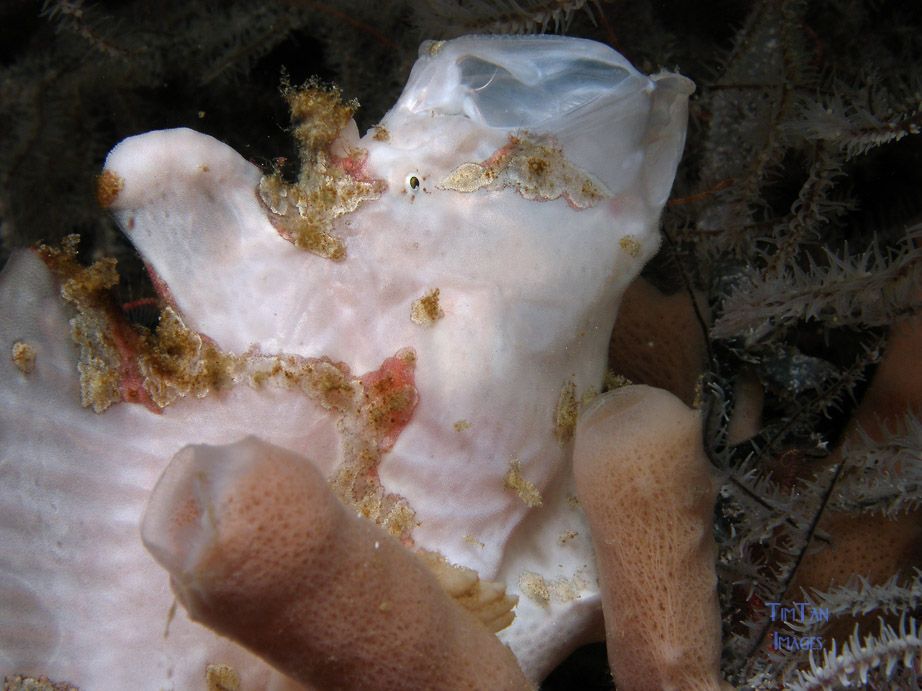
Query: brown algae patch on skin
[[119, 361], [108, 186], [471, 540], [535, 587], [630, 244], [526, 490], [433, 48], [18, 682], [99, 364], [381, 134], [568, 589], [328, 186], [378, 406], [177, 362], [122, 362], [462, 425], [566, 537], [426, 310], [566, 413], [23, 356], [222, 678], [95, 328], [538, 170]]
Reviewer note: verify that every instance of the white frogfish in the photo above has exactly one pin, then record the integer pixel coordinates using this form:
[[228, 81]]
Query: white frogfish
[[421, 314]]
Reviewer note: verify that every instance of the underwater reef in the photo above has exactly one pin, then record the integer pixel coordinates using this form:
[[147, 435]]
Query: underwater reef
[[784, 303]]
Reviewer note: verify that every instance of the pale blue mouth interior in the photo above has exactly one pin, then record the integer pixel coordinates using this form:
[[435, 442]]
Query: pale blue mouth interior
[[501, 99], [623, 127]]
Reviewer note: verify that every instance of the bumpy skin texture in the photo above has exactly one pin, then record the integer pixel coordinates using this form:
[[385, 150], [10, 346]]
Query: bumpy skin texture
[[649, 491], [529, 275], [81, 600], [261, 551]]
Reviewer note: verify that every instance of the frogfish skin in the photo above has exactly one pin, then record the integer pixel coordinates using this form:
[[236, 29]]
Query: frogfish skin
[[421, 315]]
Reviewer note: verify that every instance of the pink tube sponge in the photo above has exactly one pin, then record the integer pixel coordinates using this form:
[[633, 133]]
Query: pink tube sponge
[[648, 490], [260, 550]]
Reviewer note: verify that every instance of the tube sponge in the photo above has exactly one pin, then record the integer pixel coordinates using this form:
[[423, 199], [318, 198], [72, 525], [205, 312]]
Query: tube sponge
[[648, 490], [260, 550]]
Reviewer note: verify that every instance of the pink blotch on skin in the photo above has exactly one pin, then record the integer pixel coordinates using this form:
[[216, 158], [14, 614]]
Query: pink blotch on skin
[[392, 389]]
